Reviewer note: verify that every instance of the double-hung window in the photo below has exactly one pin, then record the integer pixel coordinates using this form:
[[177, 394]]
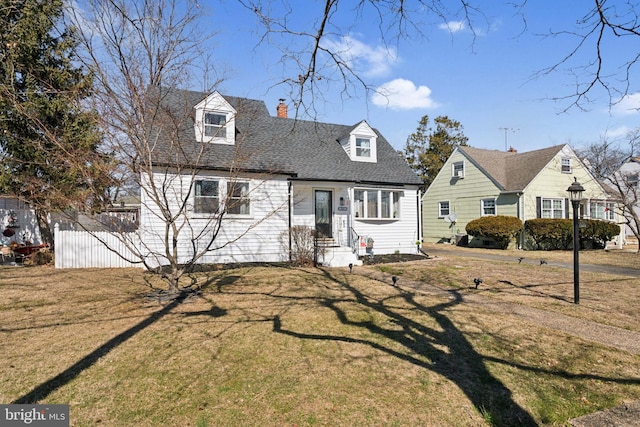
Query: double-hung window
[[207, 196], [566, 165], [238, 198], [443, 209], [363, 147], [488, 207], [552, 208], [214, 125]]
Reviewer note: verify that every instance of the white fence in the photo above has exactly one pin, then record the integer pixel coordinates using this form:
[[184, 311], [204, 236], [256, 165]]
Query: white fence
[[81, 249]]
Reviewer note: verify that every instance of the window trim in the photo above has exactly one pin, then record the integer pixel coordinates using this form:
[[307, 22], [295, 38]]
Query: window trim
[[242, 198], [196, 197], [461, 168], [394, 206], [568, 165], [608, 210], [441, 208], [223, 197], [483, 208], [552, 209], [359, 148], [221, 130]]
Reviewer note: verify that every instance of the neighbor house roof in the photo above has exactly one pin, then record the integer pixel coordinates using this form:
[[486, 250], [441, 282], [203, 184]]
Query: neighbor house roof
[[511, 171], [305, 150]]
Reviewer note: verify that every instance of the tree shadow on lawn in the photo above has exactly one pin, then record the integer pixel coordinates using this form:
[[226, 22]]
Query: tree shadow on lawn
[[46, 388], [460, 362]]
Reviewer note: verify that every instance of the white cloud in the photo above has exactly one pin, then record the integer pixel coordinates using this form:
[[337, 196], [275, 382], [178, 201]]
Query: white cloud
[[628, 104], [402, 94], [453, 26], [371, 61], [618, 132]]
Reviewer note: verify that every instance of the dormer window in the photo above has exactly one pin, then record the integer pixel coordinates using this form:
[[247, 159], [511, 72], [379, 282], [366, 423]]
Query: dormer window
[[214, 125], [363, 147], [360, 143], [215, 120]]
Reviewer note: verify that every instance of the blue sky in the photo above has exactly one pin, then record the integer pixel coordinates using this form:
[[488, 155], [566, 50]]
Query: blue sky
[[486, 82]]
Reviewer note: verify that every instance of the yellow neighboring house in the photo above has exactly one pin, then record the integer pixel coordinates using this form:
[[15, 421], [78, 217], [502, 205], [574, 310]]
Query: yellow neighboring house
[[478, 182]]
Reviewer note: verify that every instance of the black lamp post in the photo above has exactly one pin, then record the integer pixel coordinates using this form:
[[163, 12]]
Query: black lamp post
[[575, 194]]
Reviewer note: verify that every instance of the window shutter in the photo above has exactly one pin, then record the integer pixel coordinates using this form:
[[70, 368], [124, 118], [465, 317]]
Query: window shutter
[[566, 208], [538, 207]]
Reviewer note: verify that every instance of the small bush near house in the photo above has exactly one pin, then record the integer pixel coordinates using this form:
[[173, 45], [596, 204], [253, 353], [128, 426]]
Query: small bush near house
[[549, 233], [556, 233], [302, 244], [500, 228]]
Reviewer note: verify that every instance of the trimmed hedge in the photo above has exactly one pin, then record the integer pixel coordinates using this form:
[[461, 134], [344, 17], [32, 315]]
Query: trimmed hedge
[[549, 234], [500, 228]]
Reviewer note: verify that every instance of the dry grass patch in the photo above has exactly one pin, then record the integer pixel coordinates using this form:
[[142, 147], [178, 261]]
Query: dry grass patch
[[283, 347]]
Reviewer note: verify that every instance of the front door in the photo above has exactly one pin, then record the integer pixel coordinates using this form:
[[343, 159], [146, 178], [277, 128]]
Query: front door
[[323, 212]]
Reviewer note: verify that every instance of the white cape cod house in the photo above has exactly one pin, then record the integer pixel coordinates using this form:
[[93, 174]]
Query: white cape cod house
[[270, 173]]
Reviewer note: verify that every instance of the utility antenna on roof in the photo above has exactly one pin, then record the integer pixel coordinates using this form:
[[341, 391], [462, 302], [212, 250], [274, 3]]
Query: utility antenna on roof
[[506, 147]]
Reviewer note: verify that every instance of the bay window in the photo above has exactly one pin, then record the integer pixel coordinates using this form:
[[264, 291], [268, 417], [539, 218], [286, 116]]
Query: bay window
[[376, 204]]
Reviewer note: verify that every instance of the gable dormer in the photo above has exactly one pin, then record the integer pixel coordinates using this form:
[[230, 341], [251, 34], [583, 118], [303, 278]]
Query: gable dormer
[[215, 120], [360, 143]]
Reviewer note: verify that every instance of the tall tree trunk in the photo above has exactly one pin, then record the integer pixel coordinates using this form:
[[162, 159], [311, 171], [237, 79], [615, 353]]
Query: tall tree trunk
[[42, 217]]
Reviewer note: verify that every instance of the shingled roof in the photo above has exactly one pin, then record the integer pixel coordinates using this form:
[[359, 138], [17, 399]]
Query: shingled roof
[[305, 150], [509, 170]]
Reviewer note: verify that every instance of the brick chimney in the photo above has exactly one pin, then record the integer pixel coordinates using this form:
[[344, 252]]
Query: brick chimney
[[282, 109], [512, 150]]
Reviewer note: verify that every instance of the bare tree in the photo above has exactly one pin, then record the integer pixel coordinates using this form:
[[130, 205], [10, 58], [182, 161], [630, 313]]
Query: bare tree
[[607, 27], [614, 163], [141, 51], [318, 54]]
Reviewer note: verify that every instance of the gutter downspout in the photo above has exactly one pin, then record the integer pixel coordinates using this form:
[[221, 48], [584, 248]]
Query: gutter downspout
[[419, 213]]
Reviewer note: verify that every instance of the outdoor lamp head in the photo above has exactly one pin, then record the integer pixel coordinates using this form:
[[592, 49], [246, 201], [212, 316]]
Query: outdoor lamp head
[[575, 190]]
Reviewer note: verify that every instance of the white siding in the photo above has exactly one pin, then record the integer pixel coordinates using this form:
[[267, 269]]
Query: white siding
[[394, 235], [257, 238]]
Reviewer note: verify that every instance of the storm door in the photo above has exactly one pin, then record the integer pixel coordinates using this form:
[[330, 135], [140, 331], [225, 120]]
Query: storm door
[[323, 212]]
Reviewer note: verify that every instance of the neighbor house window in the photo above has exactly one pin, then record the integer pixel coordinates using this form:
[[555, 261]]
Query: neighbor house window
[[376, 204], [207, 196], [363, 147], [488, 207], [601, 210], [552, 208], [443, 209], [238, 198], [632, 180], [566, 165], [457, 170], [214, 125]]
